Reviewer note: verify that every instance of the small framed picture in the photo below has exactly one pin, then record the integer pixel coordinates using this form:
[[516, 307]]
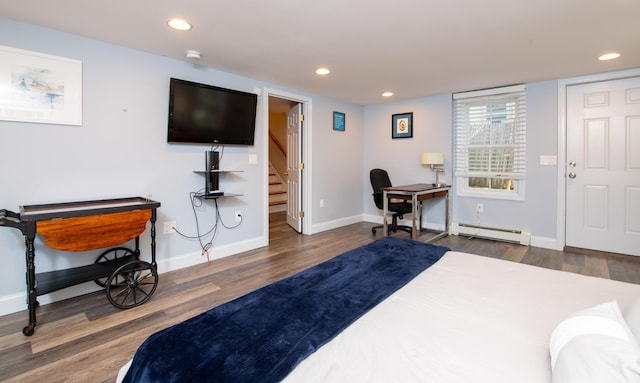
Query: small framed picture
[[402, 125], [338, 121]]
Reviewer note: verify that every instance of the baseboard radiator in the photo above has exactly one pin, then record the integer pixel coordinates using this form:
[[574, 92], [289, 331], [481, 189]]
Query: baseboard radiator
[[522, 237]]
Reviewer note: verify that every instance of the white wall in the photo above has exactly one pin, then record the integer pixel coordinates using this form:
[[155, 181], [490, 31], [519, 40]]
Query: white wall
[[401, 156], [538, 212], [337, 166], [433, 132], [121, 150]]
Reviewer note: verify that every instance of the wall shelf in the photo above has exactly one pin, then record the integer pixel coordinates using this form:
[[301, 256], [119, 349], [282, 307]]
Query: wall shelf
[[211, 178]]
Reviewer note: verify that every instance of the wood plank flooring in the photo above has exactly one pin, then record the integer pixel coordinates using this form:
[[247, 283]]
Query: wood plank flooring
[[85, 339]]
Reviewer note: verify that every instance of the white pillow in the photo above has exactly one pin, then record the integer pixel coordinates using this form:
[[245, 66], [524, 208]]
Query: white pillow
[[632, 317], [595, 345]]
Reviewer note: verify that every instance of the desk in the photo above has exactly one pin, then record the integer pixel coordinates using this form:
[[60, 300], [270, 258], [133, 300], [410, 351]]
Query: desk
[[416, 193]]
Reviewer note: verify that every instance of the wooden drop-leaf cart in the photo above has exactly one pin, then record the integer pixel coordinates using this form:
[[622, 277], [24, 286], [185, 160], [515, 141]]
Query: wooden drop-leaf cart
[[90, 225]]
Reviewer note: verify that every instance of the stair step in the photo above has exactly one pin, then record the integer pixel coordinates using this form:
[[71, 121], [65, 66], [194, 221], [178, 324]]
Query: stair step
[[273, 196], [277, 189], [280, 201]]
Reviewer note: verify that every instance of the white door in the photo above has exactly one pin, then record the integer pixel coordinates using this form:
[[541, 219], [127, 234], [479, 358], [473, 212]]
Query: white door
[[294, 168], [603, 166]]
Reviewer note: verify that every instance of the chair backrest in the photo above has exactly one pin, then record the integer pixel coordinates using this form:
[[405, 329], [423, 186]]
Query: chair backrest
[[379, 179]]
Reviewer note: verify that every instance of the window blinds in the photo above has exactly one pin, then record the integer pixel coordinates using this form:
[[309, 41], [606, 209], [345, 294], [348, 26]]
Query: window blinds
[[490, 133]]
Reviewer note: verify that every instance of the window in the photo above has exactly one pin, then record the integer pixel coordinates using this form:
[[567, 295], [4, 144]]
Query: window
[[490, 142]]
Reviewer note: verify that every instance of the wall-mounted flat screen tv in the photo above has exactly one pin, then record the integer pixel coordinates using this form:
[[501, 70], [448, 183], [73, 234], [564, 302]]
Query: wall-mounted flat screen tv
[[207, 114]]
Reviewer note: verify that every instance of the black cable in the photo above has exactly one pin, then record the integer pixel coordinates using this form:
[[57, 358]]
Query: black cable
[[193, 197], [215, 148], [197, 201], [219, 218]]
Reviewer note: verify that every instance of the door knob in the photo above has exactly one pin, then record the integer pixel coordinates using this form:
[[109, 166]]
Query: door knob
[[572, 175], [572, 164]]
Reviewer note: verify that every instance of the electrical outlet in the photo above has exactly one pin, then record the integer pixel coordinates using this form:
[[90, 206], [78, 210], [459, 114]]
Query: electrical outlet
[[168, 227], [321, 202], [238, 216], [480, 208]]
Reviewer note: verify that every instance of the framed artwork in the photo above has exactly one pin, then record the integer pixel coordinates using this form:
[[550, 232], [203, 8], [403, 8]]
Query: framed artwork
[[402, 125], [36, 87], [338, 121]]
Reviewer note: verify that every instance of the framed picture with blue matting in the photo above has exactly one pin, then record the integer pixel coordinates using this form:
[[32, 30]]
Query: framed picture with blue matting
[[402, 125], [338, 121]]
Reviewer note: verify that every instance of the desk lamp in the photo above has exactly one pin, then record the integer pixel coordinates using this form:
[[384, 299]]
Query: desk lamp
[[435, 161]]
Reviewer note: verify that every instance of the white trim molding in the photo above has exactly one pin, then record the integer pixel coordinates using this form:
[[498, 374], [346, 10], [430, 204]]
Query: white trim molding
[[307, 155]]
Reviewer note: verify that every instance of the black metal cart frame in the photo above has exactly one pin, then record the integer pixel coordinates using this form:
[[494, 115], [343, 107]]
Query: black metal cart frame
[[89, 225]]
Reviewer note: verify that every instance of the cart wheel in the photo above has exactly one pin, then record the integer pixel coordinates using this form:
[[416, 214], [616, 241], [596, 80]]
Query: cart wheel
[[112, 255], [132, 284], [28, 330]]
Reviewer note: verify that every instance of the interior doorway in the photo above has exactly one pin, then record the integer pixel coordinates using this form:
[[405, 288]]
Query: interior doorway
[[285, 157]]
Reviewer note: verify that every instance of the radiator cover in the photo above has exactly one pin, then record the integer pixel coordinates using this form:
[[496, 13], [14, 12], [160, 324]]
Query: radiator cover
[[522, 237]]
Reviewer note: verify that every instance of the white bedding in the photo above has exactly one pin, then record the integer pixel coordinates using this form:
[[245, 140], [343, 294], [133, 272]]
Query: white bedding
[[465, 319]]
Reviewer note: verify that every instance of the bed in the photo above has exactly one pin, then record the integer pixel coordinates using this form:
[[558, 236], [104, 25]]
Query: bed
[[467, 318]]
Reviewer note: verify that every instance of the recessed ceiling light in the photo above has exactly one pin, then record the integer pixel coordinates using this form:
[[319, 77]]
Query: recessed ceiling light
[[179, 24], [387, 94], [609, 56], [322, 71], [193, 54]]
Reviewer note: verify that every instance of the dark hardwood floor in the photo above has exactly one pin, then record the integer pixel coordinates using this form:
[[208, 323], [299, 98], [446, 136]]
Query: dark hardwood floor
[[85, 339]]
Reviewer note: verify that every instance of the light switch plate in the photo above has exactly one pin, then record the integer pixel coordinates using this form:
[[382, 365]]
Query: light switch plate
[[548, 160]]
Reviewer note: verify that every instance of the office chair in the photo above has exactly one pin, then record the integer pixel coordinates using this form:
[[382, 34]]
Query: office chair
[[380, 179]]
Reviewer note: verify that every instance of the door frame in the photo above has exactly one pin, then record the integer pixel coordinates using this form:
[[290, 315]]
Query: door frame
[[561, 218], [305, 150]]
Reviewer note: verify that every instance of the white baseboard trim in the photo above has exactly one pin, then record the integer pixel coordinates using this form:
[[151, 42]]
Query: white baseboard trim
[[377, 219], [18, 302], [196, 257], [430, 226], [329, 225], [373, 218], [546, 243], [13, 303]]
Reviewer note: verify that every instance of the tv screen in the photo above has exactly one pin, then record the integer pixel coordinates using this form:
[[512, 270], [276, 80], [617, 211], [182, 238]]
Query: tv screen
[[206, 114]]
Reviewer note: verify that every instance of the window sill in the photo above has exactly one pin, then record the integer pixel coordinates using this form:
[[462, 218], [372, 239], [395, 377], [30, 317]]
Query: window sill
[[510, 195]]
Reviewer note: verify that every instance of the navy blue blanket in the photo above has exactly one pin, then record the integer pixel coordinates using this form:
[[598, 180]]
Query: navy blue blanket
[[263, 335]]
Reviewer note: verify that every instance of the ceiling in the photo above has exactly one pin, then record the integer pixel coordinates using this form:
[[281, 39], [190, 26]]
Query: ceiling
[[414, 48]]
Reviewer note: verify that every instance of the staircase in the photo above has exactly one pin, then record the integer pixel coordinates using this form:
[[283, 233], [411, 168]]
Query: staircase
[[277, 192]]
